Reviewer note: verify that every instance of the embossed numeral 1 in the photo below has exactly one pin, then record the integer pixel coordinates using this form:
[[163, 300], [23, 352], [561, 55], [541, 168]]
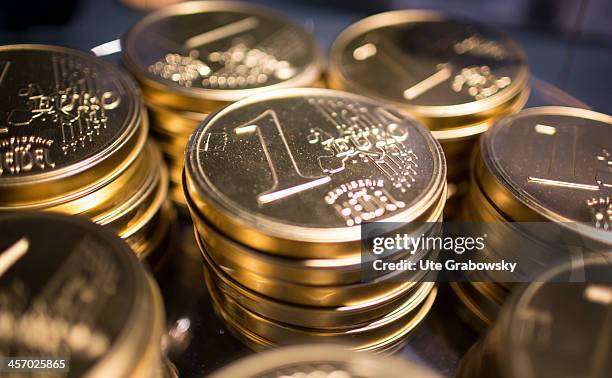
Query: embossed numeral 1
[[561, 166], [443, 73], [11, 255], [4, 67], [286, 176], [535, 326]]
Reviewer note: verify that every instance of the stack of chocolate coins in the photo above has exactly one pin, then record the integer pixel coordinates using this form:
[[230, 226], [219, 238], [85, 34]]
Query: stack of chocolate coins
[[546, 164], [74, 294], [193, 58], [73, 140], [456, 77], [278, 185]]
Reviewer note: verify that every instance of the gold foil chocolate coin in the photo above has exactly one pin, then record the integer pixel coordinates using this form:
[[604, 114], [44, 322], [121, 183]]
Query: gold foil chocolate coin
[[552, 162], [71, 289], [194, 55], [67, 119], [449, 73], [322, 360], [292, 171]]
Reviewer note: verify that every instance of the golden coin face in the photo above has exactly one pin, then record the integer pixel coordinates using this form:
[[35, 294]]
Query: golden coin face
[[310, 164], [429, 64], [77, 285], [61, 111], [556, 161], [554, 304], [325, 361], [220, 51]]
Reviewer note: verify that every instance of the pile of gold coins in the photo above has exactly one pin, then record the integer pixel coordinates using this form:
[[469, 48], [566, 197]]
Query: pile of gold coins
[[458, 86], [75, 141], [423, 122], [277, 186], [73, 292], [322, 361], [538, 335], [546, 164], [193, 58]]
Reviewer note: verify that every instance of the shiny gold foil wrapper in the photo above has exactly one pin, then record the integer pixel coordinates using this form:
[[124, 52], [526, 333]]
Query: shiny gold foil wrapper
[[86, 296], [325, 361], [534, 324], [458, 86], [544, 164], [76, 143], [217, 53], [282, 251]]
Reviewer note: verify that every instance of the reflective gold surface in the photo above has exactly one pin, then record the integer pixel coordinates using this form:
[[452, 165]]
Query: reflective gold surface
[[278, 184], [217, 52], [457, 77], [284, 264], [306, 316], [84, 293], [324, 361], [378, 337], [558, 308], [232, 50], [368, 336], [304, 217], [69, 127], [468, 76], [567, 179], [91, 119], [542, 164]]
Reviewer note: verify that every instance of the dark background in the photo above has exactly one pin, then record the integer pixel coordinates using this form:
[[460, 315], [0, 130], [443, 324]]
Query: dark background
[[569, 42]]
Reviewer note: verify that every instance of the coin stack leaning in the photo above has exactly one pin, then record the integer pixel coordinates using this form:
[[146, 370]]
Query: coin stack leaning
[[456, 77], [278, 185], [72, 290], [547, 164], [322, 361], [193, 58], [73, 140], [553, 327]]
